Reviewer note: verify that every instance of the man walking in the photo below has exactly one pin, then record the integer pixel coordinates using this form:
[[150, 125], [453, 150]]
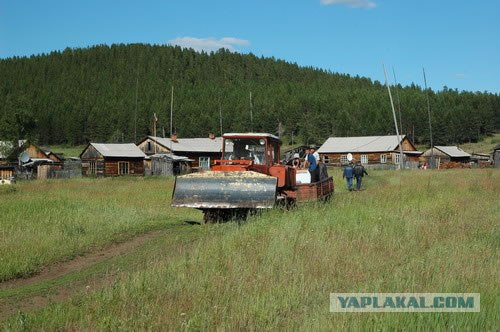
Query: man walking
[[348, 174], [359, 172]]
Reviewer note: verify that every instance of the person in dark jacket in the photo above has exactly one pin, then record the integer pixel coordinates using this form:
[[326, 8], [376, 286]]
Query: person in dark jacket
[[348, 174], [359, 172]]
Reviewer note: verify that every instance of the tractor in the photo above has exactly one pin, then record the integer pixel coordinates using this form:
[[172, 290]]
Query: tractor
[[249, 177]]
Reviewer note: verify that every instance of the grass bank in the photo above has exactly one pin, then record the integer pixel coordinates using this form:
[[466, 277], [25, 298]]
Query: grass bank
[[420, 231]]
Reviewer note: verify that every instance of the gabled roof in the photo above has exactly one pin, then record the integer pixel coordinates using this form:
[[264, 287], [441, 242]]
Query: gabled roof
[[360, 144], [190, 144], [119, 150], [453, 151]]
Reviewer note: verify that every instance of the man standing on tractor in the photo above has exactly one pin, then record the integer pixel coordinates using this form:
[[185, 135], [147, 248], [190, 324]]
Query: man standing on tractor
[[312, 165]]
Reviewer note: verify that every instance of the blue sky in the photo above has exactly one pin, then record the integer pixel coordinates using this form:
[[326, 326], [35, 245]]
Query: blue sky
[[457, 42]]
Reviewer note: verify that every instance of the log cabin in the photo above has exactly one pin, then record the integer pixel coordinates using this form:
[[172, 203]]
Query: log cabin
[[202, 151], [100, 159], [370, 150], [446, 154]]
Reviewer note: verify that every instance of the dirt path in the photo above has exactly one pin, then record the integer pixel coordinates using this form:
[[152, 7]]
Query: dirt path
[[9, 306]]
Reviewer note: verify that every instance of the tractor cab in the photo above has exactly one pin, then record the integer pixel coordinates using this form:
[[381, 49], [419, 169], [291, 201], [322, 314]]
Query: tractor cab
[[249, 151]]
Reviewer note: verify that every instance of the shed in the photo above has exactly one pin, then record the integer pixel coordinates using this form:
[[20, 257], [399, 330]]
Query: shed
[[368, 149], [100, 159], [447, 154], [202, 151], [168, 164]]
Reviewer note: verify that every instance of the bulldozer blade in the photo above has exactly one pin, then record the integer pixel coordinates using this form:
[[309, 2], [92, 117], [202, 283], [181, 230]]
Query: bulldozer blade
[[225, 190]]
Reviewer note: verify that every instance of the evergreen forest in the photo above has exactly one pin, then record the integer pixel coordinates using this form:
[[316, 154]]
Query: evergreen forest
[[111, 94]]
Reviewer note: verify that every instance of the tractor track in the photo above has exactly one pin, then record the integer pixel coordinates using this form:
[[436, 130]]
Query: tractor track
[[57, 293]]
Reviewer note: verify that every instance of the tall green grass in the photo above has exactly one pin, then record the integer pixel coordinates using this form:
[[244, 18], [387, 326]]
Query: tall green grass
[[424, 231], [42, 222]]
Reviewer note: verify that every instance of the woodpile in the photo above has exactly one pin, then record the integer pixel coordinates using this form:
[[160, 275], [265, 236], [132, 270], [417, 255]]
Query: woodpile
[[453, 164]]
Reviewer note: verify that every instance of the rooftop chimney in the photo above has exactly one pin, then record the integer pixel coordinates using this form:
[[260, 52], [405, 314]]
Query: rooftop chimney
[[211, 135], [173, 137]]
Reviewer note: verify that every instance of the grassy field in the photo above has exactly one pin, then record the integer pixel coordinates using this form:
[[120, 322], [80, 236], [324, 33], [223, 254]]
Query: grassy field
[[48, 221], [414, 231]]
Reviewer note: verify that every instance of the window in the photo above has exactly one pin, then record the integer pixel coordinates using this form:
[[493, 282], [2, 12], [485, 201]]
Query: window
[[343, 159], [326, 159], [123, 167], [249, 149], [92, 168], [204, 162], [383, 158], [364, 159], [395, 158]]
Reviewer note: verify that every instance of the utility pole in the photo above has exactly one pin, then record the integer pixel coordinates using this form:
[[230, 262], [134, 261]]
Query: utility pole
[[220, 119], [430, 121], [251, 112], [171, 108], [155, 119], [136, 106], [398, 100], [395, 120]]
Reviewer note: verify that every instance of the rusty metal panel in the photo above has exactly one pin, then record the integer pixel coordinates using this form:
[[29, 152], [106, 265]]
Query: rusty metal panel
[[225, 190]]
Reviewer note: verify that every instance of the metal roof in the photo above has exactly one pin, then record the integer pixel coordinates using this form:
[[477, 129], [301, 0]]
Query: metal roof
[[360, 144], [251, 135], [170, 156], [119, 150], [190, 144], [453, 151]]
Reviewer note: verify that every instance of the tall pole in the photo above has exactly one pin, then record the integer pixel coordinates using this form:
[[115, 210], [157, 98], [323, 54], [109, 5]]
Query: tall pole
[[136, 106], [220, 119], [251, 112], [399, 102], [171, 109], [155, 119], [395, 120], [430, 122]]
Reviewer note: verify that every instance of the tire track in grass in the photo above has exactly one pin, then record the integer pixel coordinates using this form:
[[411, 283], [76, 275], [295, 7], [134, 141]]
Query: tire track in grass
[[61, 281]]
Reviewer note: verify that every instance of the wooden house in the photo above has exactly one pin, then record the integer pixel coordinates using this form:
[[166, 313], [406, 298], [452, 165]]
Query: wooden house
[[202, 151], [35, 152], [112, 160], [446, 154], [369, 150]]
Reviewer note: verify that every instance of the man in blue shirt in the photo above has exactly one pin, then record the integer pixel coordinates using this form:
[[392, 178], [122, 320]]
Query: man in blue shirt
[[348, 174], [313, 166]]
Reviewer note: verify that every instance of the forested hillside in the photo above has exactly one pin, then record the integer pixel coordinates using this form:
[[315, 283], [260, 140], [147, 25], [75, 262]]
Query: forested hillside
[[110, 93]]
